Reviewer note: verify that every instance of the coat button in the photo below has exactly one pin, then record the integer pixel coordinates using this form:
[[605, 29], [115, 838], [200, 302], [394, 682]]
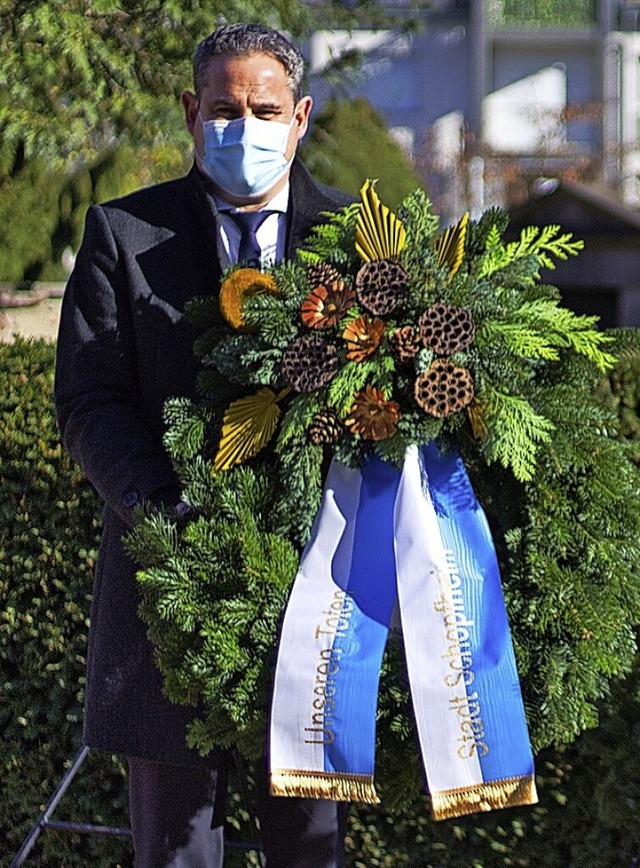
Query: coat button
[[130, 498]]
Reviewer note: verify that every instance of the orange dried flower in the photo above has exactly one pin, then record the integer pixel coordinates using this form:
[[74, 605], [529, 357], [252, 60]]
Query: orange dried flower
[[372, 416], [237, 288], [363, 336], [327, 304]]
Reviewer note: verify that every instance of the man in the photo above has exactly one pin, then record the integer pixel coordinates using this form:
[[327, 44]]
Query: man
[[124, 347]]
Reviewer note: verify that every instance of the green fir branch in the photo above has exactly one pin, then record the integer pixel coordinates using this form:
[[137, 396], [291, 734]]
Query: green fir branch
[[494, 220], [244, 359], [270, 315], [186, 427], [327, 240], [301, 470]]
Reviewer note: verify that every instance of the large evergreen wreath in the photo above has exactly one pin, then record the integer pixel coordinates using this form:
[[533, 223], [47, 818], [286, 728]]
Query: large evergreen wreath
[[385, 332]]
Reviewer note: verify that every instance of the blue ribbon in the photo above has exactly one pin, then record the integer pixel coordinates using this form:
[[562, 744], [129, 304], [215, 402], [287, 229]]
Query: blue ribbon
[[368, 565], [465, 531]]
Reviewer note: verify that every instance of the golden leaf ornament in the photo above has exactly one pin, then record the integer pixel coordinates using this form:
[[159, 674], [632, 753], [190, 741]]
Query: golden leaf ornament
[[240, 285], [449, 247], [247, 427], [379, 232]]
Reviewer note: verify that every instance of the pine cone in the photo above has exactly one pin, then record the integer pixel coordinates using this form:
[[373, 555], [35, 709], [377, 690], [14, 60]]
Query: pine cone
[[443, 389], [381, 285], [325, 427], [446, 329], [309, 363], [405, 343], [322, 274]]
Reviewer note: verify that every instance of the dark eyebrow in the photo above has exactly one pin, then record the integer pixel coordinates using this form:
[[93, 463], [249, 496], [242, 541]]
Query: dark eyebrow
[[267, 105], [224, 102], [228, 103]]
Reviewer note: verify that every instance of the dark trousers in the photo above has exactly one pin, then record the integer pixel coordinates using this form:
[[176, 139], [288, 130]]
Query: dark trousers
[[177, 818]]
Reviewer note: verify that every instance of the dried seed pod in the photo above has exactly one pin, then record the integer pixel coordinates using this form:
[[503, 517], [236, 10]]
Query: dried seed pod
[[309, 363], [443, 389], [381, 286], [447, 329]]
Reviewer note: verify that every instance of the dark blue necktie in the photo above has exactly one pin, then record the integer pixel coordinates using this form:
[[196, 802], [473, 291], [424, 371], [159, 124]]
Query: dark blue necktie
[[249, 222]]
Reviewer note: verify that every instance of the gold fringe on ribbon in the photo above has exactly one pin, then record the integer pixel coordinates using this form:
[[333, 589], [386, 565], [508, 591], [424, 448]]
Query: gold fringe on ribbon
[[507, 793], [324, 785]]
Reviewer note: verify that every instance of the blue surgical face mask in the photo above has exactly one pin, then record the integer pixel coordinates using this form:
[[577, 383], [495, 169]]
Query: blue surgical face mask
[[245, 157]]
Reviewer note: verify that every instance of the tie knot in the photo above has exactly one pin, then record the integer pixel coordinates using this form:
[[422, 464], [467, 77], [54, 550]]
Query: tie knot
[[249, 221]]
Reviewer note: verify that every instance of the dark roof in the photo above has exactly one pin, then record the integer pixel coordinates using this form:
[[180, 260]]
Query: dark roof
[[576, 207]]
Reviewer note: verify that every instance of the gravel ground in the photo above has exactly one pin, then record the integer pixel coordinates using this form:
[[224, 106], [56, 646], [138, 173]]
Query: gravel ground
[[37, 321]]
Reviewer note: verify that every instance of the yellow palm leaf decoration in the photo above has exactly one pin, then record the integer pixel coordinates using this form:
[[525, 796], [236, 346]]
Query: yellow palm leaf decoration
[[247, 427], [450, 245], [379, 233], [477, 412]]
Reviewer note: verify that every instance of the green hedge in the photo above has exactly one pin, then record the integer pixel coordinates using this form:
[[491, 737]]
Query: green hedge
[[48, 541], [42, 212], [589, 793]]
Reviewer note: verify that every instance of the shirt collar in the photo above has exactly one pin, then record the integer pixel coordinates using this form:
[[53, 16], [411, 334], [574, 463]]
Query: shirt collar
[[280, 201]]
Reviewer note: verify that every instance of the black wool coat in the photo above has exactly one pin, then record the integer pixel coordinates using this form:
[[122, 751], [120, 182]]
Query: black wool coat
[[124, 347]]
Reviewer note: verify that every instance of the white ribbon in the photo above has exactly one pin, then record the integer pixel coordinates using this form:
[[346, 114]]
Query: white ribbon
[[423, 528]]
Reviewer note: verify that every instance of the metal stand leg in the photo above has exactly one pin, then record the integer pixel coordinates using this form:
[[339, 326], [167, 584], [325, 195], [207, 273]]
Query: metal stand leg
[[254, 843], [45, 820]]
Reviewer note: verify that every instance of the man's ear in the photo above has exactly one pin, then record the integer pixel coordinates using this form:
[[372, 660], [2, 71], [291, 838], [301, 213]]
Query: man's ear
[[190, 106], [301, 114]]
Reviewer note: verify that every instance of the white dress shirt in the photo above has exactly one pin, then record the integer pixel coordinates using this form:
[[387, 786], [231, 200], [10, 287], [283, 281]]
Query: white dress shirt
[[270, 235]]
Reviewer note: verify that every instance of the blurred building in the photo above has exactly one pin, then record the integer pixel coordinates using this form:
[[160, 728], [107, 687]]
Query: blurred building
[[515, 90], [604, 279], [494, 99]]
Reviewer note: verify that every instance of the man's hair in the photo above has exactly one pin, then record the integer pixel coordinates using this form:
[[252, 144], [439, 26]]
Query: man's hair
[[248, 39]]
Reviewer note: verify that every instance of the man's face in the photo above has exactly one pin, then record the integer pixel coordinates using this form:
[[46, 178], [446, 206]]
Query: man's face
[[241, 86]]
